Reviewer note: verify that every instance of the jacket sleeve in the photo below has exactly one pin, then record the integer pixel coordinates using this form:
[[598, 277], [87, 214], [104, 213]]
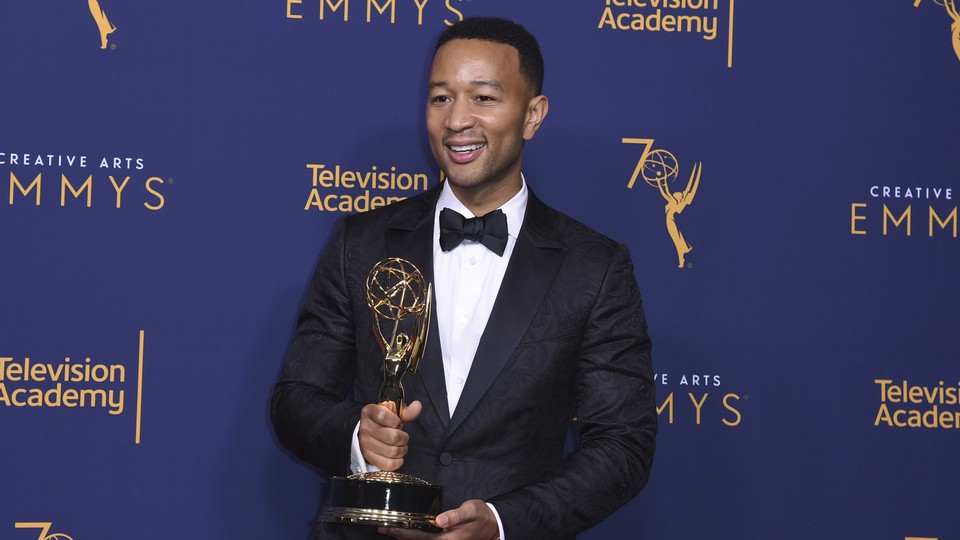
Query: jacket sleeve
[[617, 419], [310, 411]]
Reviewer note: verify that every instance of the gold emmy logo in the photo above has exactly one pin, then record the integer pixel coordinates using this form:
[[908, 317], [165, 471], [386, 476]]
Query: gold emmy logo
[[103, 23], [951, 7], [659, 168], [44, 529]]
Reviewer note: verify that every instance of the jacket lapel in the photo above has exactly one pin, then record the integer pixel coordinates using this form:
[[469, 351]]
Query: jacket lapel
[[533, 265]]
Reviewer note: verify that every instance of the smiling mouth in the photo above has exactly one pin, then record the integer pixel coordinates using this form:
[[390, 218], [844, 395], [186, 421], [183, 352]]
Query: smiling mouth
[[463, 149]]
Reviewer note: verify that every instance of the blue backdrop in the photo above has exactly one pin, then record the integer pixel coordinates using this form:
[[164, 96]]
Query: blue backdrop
[[169, 172]]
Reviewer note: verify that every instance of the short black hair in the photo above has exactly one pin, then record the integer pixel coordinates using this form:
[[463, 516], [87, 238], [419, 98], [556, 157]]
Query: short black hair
[[502, 31]]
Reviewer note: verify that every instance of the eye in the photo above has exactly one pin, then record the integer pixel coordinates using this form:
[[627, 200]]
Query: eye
[[485, 99], [439, 99]]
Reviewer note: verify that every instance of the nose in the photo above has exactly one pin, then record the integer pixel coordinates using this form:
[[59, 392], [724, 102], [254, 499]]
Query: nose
[[459, 116]]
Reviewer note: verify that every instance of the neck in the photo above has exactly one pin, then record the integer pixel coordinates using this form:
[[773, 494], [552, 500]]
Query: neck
[[484, 199]]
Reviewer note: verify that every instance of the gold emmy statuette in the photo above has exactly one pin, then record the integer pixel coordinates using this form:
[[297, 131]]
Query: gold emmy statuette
[[401, 303]]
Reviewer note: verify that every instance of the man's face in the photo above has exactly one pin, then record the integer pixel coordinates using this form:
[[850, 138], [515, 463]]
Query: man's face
[[478, 114]]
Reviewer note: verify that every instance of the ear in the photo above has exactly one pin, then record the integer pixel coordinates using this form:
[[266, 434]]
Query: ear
[[536, 112]]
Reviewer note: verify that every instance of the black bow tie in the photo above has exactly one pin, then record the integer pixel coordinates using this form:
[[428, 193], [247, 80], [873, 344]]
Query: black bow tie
[[490, 230]]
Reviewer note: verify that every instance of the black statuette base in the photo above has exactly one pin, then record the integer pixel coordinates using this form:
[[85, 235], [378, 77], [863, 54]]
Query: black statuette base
[[384, 500]]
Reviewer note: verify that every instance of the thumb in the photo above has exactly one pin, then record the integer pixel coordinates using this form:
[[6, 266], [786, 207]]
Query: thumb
[[449, 518], [411, 412], [456, 516]]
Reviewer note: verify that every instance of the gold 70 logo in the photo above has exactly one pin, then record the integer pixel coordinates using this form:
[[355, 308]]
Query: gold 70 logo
[[44, 530]]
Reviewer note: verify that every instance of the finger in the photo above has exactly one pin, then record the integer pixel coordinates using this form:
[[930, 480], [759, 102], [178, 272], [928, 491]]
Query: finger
[[379, 415], [387, 457], [385, 436], [410, 412], [473, 519], [380, 448], [466, 513], [450, 518], [382, 463]]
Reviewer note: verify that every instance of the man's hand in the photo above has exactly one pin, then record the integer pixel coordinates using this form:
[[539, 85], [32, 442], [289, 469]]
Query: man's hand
[[472, 521], [383, 442]]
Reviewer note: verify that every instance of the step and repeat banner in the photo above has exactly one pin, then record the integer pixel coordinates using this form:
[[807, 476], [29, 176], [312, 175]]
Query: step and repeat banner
[[785, 174]]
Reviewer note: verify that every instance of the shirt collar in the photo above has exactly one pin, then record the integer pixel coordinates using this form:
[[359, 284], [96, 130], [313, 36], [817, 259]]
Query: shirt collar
[[515, 208]]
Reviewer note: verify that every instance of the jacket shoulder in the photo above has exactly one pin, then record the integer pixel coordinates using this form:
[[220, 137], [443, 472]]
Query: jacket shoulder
[[573, 235], [406, 213]]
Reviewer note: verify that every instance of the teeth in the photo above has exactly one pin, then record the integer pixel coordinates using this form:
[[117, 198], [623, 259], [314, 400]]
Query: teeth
[[467, 148]]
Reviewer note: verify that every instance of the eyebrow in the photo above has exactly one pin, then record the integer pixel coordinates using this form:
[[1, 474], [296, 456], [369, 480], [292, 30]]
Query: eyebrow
[[480, 83]]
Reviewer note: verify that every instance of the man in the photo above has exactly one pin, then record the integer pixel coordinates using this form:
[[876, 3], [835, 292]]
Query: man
[[544, 326]]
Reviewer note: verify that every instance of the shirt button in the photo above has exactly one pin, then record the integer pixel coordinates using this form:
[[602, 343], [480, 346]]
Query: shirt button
[[446, 458], [459, 380], [473, 261], [464, 319]]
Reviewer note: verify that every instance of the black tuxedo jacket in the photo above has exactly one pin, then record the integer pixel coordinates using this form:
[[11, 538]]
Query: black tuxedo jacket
[[566, 339]]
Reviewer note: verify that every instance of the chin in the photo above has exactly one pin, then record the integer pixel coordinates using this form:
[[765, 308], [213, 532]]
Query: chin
[[465, 181]]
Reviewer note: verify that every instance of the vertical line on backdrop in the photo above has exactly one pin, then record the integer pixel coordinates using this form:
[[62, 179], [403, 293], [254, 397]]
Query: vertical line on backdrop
[[730, 39], [139, 387]]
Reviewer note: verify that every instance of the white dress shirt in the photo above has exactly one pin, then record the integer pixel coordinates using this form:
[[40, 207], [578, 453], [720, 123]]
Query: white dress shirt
[[466, 282]]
